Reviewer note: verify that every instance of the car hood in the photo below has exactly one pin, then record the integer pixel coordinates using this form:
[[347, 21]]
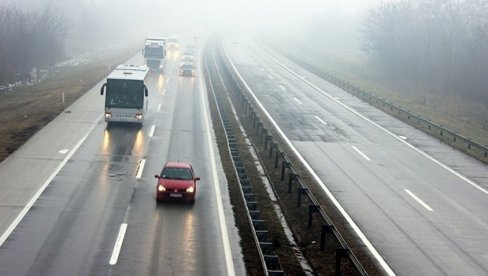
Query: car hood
[[176, 184]]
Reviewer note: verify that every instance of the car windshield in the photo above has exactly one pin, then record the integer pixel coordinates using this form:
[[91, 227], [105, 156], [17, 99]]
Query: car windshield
[[177, 173]]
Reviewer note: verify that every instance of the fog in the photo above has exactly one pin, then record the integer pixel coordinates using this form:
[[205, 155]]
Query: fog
[[99, 22], [418, 41]]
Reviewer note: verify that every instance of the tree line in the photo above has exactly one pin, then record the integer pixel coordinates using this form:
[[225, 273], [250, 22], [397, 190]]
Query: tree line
[[439, 44], [29, 40]]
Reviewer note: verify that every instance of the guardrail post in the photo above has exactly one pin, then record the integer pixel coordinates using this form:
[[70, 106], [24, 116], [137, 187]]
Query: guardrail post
[[325, 229], [285, 164], [277, 158], [272, 145], [341, 252], [292, 176], [264, 135], [301, 191], [312, 208]]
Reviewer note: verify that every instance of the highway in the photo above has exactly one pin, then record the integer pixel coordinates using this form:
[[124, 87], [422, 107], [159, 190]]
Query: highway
[[418, 205], [79, 198]]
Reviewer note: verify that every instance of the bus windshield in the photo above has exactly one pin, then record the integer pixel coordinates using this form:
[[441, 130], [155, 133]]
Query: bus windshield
[[124, 94]]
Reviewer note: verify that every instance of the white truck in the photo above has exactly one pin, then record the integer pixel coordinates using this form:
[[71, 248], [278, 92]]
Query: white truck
[[154, 52], [126, 94]]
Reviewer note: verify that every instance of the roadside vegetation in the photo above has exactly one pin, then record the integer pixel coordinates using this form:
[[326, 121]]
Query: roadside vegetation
[[26, 109], [429, 56]]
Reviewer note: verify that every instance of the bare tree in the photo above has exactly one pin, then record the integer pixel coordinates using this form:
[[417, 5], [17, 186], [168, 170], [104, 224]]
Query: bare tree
[[441, 44]]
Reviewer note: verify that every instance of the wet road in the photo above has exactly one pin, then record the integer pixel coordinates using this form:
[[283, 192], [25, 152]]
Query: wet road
[[421, 204], [99, 194]]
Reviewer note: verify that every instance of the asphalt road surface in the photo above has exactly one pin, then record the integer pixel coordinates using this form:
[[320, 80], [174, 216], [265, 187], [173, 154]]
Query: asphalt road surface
[[79, 198], [421, 204]]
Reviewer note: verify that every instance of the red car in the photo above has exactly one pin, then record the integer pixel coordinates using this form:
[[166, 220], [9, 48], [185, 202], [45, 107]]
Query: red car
[[177, 181]]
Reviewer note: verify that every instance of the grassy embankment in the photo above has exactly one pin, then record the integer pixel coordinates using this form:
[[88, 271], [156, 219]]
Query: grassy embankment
[[27, 109]]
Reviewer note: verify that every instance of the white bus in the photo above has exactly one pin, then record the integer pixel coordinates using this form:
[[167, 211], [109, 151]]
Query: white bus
[[126, 94]]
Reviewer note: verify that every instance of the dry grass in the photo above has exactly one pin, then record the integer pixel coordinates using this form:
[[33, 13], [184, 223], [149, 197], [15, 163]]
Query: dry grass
[[27, 109]]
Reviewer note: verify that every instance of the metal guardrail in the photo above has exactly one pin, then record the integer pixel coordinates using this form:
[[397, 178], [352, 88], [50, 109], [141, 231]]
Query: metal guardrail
[[264, 134], [446, 135], [269, 259]]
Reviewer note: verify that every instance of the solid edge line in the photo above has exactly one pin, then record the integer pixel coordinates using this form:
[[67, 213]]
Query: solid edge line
[[34, 198], [151, 131], [361, 153], [470, 182], [297, 100], [118, 244], [354, 226], [223, 223], [320, 120], [140, 168], [420, 201]]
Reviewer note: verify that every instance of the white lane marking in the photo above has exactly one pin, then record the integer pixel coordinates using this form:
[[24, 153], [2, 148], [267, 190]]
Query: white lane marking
[[361, 153], [467, 180], [320, 120], [159, 107], [402, 137], [419, 200], [64, 151], [164, 90], [151, 131], [337, 98], [297, 100], [140, 168], [167, 80], [351, 222], [271, 77], [262, 69], [282, 87], [216, 183], [118, 244], [34, 198]]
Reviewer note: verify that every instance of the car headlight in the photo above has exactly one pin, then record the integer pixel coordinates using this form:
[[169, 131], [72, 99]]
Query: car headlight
[[108, 115], [161, 188], [139, 117], [190, 190]]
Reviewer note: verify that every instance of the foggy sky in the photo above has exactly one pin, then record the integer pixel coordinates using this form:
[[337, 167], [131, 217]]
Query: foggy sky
[[136, 19]]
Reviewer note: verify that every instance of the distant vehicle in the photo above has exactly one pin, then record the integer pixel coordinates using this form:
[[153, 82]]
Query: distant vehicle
[[187, 57], [154, 52], [187, 69], [176, 182], [172, 42], [190, 48], [125, 94]]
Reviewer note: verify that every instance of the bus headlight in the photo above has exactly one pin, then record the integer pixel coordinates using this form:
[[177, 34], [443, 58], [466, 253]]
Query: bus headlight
[[139, 117], [108, 115]]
